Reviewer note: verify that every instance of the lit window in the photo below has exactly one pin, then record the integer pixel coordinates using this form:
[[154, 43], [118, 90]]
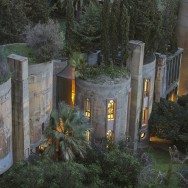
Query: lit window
[[111, 109], [142, 135], [110, 138], [88, 135], [145, 116], [87, 108], [146, 87], [73, 92]]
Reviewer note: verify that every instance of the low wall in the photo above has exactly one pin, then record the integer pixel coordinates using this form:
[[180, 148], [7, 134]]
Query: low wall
[[6, 157], [99, 94], [40, 99]]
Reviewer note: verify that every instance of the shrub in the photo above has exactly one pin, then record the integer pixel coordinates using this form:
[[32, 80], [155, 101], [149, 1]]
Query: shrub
[[45, 39], [120, 169]]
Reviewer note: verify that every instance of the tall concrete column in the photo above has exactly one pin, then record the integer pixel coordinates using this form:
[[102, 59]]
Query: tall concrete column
[[20, 107], [160, 80], [135, 66], [182, 36]]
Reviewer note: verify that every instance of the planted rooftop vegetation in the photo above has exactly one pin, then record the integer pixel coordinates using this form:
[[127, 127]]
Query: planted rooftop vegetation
[[92, 94]]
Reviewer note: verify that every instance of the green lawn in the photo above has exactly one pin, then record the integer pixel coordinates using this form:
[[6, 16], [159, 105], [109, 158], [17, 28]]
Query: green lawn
[[161, 159], [19, 49]]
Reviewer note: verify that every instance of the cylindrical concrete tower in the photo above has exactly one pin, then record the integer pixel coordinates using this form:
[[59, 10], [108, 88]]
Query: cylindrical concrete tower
[[182, 35], [106, 105], [6, 157], [40, 100]]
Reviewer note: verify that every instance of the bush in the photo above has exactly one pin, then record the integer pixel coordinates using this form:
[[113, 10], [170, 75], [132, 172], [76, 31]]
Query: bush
[[45, 39], [120, 169], [44, 173]]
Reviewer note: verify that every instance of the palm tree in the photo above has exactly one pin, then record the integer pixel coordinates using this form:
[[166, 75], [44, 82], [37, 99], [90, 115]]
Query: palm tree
[[66, 133]]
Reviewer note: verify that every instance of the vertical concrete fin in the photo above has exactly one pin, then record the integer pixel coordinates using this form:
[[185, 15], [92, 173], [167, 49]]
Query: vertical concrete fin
[[135, 66], [20, 106], [160, 79]]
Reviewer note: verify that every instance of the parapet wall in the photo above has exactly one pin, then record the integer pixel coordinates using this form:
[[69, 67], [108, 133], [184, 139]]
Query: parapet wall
[[6, 157], [40, 99]]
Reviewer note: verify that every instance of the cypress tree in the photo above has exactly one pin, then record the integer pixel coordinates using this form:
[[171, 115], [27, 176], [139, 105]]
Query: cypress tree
[[69, 23], [115, 15], [125, 20], [105, 31]]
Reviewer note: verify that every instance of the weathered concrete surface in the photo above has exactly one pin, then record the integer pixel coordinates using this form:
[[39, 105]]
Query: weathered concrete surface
[[135, 66], [98, 95], [20, 106], [160, 81], [58, 67], [40, 100], [149, 73], [6, 158], [182, 35]]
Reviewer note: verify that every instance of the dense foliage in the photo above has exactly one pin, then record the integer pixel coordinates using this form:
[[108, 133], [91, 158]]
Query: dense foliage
[[111, 168], [16, 14], [88, 29], [145, 23], [66, 133], [45, 39], [170, 120]]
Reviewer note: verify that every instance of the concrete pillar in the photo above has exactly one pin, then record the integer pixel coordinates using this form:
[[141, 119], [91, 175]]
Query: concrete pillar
[[20, 107], [161, 78], [135, 66], [182, 35]]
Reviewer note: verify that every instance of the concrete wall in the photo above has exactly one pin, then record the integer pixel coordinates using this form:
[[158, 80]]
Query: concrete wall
[[149, 73], [58, 67], [6, 156], [182, 35], [98, 95], [160, 80], [20, 106], [147, 100], [40, 99], [135, 66]]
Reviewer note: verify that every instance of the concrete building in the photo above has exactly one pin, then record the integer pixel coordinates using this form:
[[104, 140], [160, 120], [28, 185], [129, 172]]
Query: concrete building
[[182, 36], [117, 109]]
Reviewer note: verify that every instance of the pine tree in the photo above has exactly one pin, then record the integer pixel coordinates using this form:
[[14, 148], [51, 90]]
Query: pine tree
[[69, 23], [105, 31], [125, 20]]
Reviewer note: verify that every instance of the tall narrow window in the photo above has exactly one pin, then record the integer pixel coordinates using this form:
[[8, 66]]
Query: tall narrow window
[[87, 108], [146, 87], [145, 116], [88, 136], [111, 110], [73, 92]]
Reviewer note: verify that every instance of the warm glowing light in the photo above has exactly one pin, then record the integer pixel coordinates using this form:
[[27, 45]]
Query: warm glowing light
[[73, 92], [111, 109], [87, 108], [142, 135], [88, 135]]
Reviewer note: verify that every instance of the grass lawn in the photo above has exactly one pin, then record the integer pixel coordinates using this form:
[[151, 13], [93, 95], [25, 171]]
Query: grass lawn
[[161, 159], [19, 49]]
